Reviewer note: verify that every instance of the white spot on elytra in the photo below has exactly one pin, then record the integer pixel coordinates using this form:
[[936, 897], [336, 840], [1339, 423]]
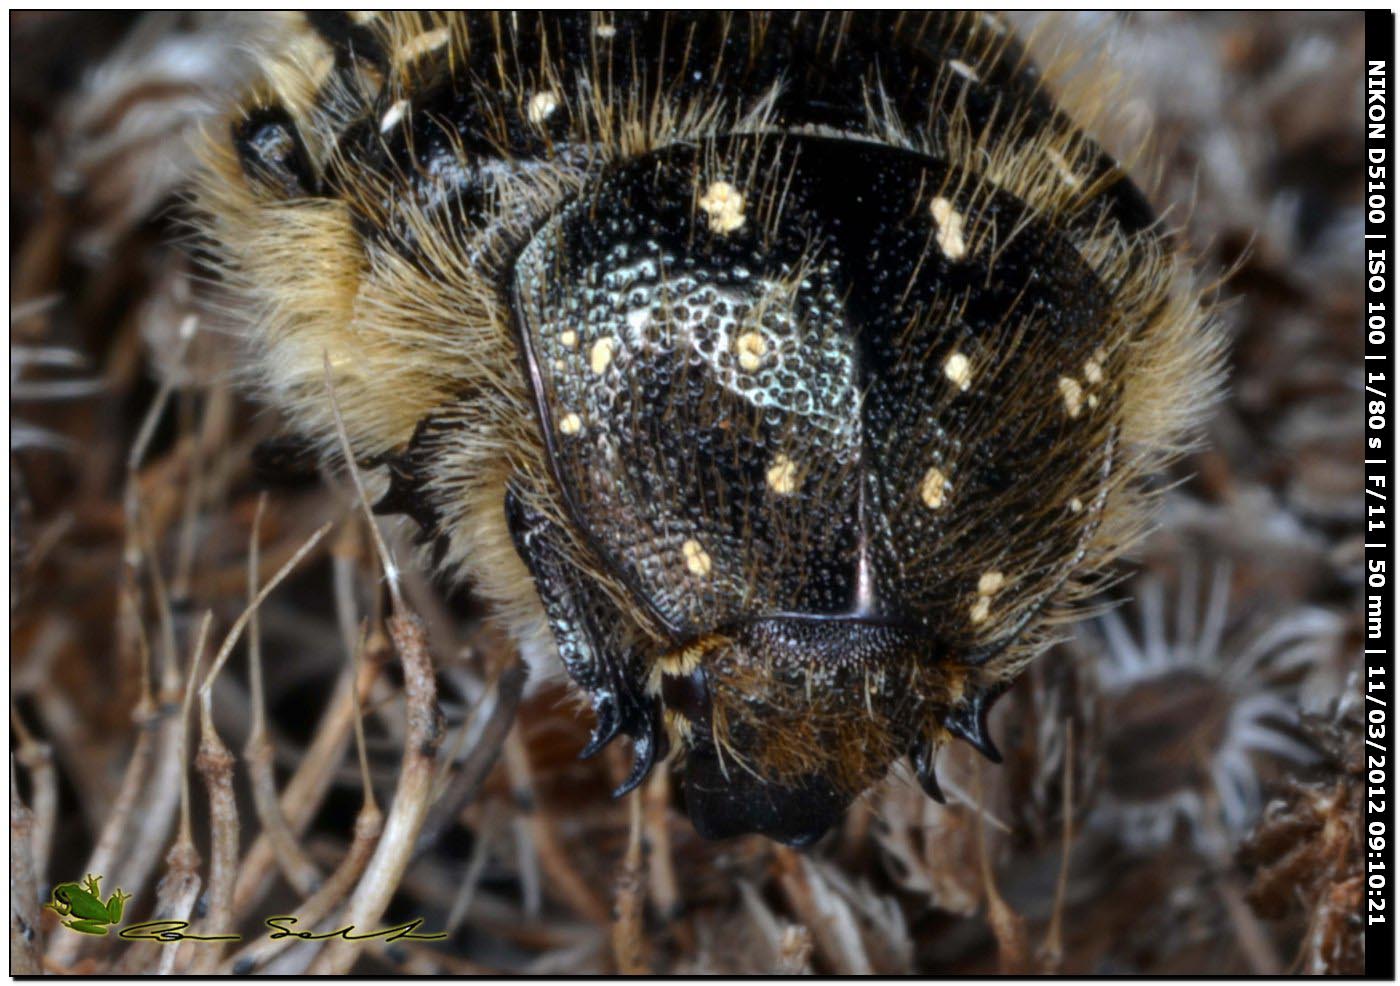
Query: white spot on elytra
[[601, 355], [987, 586], [571, 424], [568, 338], [605, 31], [750, 347], [696, 560], [964, 69], [981, 609], [933, 489], [949, 223], [392, 116], [1093, 372], [1076, 505], [958, 368], [724, 204], [1073, 395], [542, 107], [782, 475]]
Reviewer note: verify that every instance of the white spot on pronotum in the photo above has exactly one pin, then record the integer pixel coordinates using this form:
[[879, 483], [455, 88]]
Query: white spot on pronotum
[[958, 368], [1075, 505], [1073, 395], [696, 560], [559, 366], [981, 609], [964, 69], [420, 45], [933, 489], [605, 31], [392, 116], [571, 424], [601, 355], [990, 583], [724, 204], [568, 338], [750, 347], [782, 475], [949, 223], [1093, 372], [542, 107]]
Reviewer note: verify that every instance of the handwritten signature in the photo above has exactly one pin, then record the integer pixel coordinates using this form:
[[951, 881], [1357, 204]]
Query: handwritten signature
[[280, 927]]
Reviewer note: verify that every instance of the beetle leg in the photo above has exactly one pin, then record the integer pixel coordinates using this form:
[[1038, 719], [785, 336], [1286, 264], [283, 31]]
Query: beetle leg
[[922, 757], [578, 614], [609, 725], [649, 745], [968, 721]]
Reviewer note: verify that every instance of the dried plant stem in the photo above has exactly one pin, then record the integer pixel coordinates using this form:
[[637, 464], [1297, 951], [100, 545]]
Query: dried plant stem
[[64, 724], [794, 952], [485, 735], [179, 888], [147, 430], [226, 648], [1052, 950], [37, 758], [215, 764], [369, 825], [391, 570], [664, 888], [418, 960], [627, 932], [411, 798], [1009, 928], [160, 798], [64, 950], [563, 878], [485, 837], [811, 899], [1254, 941], [296, 866], [26, 937], [189, 510], [791, 944], [307, 788], [154, 811], [332, 893]]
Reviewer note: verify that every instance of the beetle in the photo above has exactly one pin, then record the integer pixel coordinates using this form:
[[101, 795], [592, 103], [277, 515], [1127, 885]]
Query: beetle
[[788, 375]]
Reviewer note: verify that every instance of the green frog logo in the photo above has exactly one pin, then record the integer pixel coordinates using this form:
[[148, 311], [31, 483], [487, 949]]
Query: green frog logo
[[82, 904]]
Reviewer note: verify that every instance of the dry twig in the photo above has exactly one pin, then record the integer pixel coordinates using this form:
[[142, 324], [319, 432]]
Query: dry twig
[[26, 936], [413, 795], [628, 937]]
